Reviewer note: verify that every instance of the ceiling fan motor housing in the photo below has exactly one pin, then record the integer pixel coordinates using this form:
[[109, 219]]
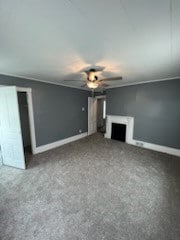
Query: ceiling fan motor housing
[[95, 79], [91, 75]]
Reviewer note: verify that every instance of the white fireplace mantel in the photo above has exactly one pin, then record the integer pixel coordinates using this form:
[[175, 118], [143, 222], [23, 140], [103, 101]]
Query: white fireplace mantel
[[128, 121]]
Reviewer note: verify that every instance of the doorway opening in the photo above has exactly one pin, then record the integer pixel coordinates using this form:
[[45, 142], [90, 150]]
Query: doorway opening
[[96, 114], [25, 124], [26, 100], [101, 115], [26, 116]]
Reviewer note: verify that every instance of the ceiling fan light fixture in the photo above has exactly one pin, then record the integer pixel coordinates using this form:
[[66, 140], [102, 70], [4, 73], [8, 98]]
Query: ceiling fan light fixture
[[92, 85], [91, 76]]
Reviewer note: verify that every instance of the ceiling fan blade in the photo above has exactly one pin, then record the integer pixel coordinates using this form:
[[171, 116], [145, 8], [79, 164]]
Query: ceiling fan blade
[[84, 85], [68, 80], [104, 85], [111, 79]]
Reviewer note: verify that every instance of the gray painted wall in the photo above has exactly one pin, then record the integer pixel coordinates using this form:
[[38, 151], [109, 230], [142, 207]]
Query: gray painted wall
[[99, 93], [57, 109], [156, 108]]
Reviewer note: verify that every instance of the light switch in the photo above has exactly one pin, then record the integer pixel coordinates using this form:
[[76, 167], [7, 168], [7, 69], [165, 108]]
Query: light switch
[[83, 109]]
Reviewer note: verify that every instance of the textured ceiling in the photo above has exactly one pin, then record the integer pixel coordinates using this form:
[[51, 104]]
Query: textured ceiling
[[53, 40]]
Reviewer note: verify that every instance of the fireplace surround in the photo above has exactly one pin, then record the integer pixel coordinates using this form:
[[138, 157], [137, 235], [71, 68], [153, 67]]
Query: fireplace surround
[[128, 121]]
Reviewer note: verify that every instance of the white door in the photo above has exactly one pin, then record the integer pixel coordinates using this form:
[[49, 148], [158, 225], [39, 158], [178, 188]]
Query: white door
[[92, 115], [10, 129]]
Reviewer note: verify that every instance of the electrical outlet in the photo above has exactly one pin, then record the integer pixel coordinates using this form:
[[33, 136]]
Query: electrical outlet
[[83, 109], [80, 130]]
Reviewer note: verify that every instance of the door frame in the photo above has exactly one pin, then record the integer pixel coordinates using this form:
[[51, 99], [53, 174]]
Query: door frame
[[89, 113], [101, 96], [28, 92], [96, 97]]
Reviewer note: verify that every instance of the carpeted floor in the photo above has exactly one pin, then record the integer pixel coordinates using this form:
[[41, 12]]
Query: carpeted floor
[[95, 189]]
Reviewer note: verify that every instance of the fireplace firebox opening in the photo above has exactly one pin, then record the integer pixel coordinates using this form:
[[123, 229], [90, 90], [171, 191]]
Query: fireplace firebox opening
[[118, 132]]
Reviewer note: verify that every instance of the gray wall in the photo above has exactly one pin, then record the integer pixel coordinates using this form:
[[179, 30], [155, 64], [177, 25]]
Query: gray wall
[[57, 109], [156, 108], [99, 93]]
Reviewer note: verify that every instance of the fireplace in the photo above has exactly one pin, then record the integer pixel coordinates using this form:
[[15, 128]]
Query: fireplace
[[118, 132], [120, 120]]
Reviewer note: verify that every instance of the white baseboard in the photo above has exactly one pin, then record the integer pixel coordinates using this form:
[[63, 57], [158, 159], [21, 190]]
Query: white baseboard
[[151, 146], [158, 148], [59, 143]]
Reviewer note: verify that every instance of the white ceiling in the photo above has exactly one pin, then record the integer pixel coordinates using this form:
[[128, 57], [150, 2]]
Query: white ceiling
[[52, 40]]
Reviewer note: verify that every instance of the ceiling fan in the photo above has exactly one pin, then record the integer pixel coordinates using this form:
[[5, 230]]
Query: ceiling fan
[[93, 80]]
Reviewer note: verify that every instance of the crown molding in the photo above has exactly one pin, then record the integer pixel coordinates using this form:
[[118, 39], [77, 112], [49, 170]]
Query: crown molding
[[89, 90], [143, 82], [43, 81]]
